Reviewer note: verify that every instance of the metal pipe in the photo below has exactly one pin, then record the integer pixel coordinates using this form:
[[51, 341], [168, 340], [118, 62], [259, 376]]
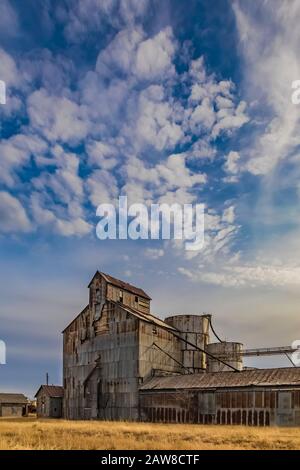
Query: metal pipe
[[268, 351]]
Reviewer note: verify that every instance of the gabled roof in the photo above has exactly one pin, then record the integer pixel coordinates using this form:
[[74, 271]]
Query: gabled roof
[[122, 285], [53, 391], [287, 376], [13, 398]]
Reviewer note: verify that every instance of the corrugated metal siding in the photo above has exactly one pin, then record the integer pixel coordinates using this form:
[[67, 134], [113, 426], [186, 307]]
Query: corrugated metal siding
[[166, 357], [109, 361], [259, 377], [253, 408]]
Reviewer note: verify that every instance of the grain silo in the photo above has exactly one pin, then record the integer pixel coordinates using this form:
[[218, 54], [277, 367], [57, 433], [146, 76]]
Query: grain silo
[[229, 352], [194, 330]]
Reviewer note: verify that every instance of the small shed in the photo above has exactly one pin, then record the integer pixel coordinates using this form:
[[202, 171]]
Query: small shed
[[13, 405], [49, 401]]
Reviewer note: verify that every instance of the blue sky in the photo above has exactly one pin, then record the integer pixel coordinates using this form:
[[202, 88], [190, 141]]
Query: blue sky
[[162, 103]]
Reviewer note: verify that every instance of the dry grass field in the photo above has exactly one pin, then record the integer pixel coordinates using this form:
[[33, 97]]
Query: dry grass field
[[30, 433]]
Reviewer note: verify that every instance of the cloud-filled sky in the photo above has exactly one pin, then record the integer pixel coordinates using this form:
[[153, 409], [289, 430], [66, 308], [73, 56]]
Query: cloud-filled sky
[[164, 104]]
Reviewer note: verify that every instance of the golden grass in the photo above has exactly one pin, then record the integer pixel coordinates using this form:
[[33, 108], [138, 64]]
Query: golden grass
[[31, 433]]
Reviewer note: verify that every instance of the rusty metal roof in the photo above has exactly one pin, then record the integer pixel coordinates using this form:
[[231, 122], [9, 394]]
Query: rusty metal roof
[[289, 376], [13, 398], [122, 284], [147, 317], [53, 391]]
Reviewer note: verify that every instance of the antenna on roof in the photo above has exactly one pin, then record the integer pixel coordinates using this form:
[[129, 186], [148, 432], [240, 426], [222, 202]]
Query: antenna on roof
[[47, 378]]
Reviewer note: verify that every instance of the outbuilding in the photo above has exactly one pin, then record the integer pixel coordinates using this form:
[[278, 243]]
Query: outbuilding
[[49, 401], [13, 405]]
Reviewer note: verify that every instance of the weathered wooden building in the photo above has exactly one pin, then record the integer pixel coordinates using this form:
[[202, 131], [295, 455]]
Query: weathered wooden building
[[121, 362], [49, 401], [109, 350], [13, 405]]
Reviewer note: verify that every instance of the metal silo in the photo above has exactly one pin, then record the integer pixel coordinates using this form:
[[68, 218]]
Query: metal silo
[[229, 352], [195, 330]]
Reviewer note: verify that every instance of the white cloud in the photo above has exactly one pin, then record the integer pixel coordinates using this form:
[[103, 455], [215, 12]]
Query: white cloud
[[120, 54], [75, 227], [252, 276], [104, 103], [12, 77], [15, 155], [81, 19], [269, 41], [229, 119], [102, 188], [57, 118], [169, 181], [212, 110], [13, 217], [203, 115], [231, 164], [198, 74], [43, 216], [223, 102], [64, 182], [9, 21], [8, 69], [154, 59], [58, 199], [119, 114], [229, 215], [202, 148], [176, 173], [102, 155], [53, 72], [155, 121], [154, 253]]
